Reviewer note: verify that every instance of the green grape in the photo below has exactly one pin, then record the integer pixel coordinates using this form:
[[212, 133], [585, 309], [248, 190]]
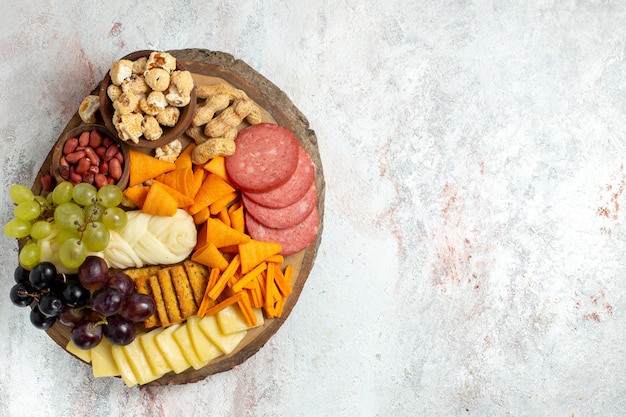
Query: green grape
[[20, 193], [94, 212], [110, 195], [84, 194], [114, 218], [28, 210], [40, 230], [62, 193], [29, 255], [96, 237], [69, 216], [72, 253], [43, 203], [17, 228], [65, 234]]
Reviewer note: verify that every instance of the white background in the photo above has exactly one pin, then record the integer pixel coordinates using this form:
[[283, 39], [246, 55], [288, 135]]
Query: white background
[[471, 260]]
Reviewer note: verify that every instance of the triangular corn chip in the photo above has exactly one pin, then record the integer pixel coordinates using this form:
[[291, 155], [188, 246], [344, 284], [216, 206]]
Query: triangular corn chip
[[159, 202], [184, 159], [179, 179], [222, 235], [213, 188], [201, 216], [217, 166], [144, 167], [198, 178], [181, 199], [137, 194], [210, 256], [254, 252]]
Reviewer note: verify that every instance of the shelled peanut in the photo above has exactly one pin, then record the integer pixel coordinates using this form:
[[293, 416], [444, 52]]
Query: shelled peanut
[[91, 157]]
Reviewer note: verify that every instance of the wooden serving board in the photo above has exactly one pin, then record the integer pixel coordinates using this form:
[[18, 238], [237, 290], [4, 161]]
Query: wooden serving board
[[204, 63]]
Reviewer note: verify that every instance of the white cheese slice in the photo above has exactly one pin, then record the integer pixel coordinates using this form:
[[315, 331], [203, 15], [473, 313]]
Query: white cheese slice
[[154, 356], [205, 349], [181, 335], [102, 362], [170, 350], [83, 354], [138, 362], [225, 342], [123, 366], [231, 319]]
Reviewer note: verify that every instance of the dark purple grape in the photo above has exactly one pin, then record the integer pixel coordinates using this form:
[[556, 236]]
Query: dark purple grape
[[51, 304], [75, 295], [43, 276], [119, 331], [21, 275], [40, 320], [122, 282], [93, 273], [86, 334], [138, 307], [21, 294], [70, 315], [107, 301]]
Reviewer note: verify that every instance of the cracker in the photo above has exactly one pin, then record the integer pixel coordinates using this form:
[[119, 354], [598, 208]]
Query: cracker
[[142, 283], [183, 290], [198, 276], [169, 296], [158, 300], [145, 271]]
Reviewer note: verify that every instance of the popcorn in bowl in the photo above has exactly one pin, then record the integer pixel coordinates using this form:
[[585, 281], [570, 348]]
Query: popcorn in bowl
[[150, 98]]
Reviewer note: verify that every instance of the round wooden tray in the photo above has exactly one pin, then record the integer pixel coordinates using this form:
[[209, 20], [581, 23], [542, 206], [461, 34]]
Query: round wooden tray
[[284, 112]]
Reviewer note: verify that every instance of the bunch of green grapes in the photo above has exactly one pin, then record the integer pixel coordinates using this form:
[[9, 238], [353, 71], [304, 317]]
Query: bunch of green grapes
[[80, 215]]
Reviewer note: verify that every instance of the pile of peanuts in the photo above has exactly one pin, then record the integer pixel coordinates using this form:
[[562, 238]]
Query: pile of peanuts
[[93, 158]]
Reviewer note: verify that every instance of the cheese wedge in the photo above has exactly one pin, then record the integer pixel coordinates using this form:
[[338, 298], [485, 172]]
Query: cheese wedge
[[169, 349], [226, 343], [102, 362], [205, 349], [154, 356], [126, 372], [82, 354], [138, 362], [231, 319], [181, 335]]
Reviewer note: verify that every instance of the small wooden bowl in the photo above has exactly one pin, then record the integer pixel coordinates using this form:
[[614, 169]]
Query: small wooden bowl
[[169, 133], [75, 133]]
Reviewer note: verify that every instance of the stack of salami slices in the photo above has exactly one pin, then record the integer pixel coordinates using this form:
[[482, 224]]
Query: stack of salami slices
[[277, 179]]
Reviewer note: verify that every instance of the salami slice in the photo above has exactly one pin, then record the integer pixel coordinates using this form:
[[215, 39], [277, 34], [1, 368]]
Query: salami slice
[[291, 191], [292, 239], [266, 157], [284, 217]]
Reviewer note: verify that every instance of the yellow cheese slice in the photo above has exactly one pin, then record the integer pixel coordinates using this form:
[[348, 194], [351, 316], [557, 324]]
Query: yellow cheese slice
[[154, 356], [205, 349], [123, 366], [102, 362], [170, 350], [181, 335], [231, 319], [138, 362], [225, 342], [82, 354]]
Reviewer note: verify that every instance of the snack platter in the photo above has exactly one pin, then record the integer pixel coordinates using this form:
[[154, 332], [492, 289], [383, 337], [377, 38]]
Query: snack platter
[[209, 67]]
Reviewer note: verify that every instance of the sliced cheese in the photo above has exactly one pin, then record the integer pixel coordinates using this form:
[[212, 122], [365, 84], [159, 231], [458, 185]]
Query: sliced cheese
[[82, 354], [181, 335], [169, 349], [102, 362], [205, 349], [225, 342], [123, 366], [138, 362], [154, 356], [231, 319]]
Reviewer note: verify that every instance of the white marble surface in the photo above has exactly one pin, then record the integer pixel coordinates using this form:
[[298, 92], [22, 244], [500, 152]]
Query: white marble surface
[[471, 261]]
